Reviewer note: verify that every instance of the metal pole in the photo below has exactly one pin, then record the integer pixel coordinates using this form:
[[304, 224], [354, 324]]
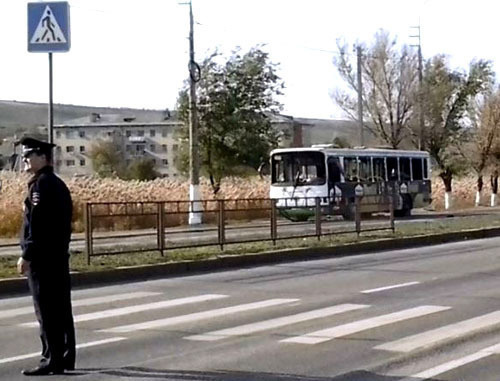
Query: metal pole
[[194, 181], [360, 98], [50, 116]]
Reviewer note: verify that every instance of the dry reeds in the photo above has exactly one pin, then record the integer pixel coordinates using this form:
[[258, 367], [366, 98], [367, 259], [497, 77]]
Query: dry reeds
[[86, 189]]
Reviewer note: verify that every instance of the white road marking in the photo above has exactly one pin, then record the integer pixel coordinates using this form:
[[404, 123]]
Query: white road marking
[[389, 287], [79, 346], [78, 303], [275, 323], [494, 349], [138, 308], [198, 316], [428, 338], [363, 325]]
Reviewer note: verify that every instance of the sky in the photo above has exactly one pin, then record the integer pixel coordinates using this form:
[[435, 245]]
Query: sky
[[134, 53]]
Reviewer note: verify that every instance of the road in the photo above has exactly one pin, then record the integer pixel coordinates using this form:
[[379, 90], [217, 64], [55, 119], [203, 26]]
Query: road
[[414, 314]]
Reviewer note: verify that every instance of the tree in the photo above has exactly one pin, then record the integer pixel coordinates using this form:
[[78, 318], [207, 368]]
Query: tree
[[234, 103], [389, 87], [480, 148], [447, 97], [107, 159], [141, 169]]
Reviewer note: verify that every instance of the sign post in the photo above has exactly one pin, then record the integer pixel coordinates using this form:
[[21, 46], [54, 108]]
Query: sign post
[[48, 32]]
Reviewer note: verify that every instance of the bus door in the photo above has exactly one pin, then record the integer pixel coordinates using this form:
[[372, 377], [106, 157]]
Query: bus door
[[379, 174], [334, 178]]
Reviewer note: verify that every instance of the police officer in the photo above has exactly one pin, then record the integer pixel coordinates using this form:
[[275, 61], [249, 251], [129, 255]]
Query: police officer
[[45, 238]]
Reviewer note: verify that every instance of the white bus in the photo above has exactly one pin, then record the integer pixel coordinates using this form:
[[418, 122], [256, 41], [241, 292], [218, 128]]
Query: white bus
[[300, 175]]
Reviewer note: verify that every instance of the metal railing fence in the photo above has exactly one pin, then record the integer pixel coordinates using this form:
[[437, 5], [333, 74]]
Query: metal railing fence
[[225, 221]]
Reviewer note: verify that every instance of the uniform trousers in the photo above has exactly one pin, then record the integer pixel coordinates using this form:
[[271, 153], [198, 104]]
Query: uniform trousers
[[50, 286]]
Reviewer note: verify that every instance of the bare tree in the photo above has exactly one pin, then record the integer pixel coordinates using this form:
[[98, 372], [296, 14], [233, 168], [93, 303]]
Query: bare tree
[[483, 135], [447, 98], [389, 87]]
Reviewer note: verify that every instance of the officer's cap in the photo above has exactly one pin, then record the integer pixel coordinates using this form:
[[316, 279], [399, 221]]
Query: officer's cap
[[31, 145]]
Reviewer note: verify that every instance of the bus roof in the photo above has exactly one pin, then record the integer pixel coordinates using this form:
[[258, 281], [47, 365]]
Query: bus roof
[[353, 151]]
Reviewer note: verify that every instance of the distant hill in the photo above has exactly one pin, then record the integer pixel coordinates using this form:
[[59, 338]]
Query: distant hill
[[27, 115]]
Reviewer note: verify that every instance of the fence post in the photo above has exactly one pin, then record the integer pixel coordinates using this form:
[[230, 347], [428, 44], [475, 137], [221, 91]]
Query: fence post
[[317, 216], [88, 231], [391, 207], [222, 222], [160, 226], [274, 228], [357, 202]]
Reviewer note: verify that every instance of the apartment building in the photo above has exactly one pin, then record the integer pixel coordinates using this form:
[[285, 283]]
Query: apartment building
[[154, 138]]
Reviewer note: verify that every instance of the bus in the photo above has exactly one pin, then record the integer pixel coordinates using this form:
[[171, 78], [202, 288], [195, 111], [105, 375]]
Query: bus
[[301, 175]]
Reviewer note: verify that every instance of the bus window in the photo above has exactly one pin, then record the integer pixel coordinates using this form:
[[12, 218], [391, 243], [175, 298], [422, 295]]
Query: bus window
[[334, 171], [404, 168], [392, 168], [426, 169], [365, 172], [351, 169], [417, 169], [378, 169], [298, 168]]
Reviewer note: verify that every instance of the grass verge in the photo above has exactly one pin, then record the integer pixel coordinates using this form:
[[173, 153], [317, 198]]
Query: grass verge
[[436, 226]]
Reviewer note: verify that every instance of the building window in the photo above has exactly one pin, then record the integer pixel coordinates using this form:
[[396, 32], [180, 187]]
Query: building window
[[140, 133], [81, 133], [128, 133], [58, 163], [70, 149], [58, 149], [58, 134], [69, 134], [152, 147], [70, 163], [175, 147], [82, 148], [164, 147], [164, 132], [152, 133], [164, 162], [82, 163]]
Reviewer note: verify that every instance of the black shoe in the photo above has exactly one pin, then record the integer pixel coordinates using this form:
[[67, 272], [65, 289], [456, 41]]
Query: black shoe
[[43, 370]]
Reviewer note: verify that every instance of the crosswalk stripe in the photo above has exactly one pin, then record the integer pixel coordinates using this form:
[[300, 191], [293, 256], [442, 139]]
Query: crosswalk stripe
[[363, 325], [440, 369], [138, 308], [410, 343], [373, 290], [198, 316], [81, 302], [275, 323], [79, 346]]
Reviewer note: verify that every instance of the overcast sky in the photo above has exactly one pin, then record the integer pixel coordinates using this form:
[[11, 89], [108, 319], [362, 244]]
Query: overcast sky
[[134, 53]]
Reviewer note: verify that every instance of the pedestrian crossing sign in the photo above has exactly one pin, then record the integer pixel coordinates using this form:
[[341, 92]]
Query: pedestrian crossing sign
[[48, 27]]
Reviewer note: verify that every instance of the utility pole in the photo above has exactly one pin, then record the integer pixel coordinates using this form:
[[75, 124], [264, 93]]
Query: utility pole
[[360, 98], [195, 206], [422, 137]]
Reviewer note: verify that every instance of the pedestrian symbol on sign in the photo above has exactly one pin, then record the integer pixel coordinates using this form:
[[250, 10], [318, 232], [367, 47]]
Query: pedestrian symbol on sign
[[48, 30]]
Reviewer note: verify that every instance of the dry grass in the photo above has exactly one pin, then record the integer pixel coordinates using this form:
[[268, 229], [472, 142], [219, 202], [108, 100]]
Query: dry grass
[[95, 189]]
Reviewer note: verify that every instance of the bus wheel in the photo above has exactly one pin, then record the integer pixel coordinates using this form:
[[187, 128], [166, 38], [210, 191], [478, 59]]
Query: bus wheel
[[349, 212], [405, 211]]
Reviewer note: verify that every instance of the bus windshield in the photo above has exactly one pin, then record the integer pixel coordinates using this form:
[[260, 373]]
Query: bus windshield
[[298, 168]]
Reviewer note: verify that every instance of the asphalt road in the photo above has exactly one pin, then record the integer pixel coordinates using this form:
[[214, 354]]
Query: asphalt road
[[431, 312]]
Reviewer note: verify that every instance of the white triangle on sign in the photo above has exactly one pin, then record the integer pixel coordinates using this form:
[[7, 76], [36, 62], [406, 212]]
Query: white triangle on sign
[[48, 30]]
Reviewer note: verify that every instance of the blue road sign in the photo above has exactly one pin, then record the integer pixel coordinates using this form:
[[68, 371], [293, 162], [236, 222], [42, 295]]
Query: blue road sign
[[48, 27]]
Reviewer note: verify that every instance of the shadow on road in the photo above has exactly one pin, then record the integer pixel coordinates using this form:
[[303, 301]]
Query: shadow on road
[[223, 375]]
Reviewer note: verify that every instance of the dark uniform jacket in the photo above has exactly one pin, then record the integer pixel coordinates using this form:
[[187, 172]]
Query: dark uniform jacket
[[46, 230]]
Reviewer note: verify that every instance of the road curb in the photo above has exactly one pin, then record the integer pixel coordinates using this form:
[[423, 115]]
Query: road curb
[[15, 286]]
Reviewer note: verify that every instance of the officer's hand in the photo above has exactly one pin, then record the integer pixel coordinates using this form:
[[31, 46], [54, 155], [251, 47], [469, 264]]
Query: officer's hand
[[23, 266]]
